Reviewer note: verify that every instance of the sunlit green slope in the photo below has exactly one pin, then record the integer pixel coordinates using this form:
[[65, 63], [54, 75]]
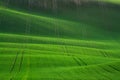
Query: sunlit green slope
[[112, 1], [60, 46]]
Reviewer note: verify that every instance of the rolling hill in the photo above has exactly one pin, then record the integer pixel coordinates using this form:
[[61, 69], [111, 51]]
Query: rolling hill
[[66, 42]]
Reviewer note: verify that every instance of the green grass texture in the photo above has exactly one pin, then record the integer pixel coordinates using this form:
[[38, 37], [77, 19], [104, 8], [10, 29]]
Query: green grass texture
[[69, 43]]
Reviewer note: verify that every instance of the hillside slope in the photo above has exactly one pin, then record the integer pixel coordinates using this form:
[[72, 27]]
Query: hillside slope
[[70, 43]]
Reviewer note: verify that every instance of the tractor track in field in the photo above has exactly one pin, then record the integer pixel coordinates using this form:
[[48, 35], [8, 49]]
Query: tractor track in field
[[114, 68], [21, 61], [82, 61], [14, 62], [79, 61], [106, 69], [74, 58], [105, 54], [13, 65], [27, 31], [103, 74]]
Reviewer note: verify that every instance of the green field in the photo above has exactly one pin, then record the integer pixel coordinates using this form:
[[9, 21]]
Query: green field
[[67, 43]]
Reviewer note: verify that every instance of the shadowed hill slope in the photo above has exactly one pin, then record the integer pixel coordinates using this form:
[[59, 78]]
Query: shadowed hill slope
[[92, 13], [46, 26]]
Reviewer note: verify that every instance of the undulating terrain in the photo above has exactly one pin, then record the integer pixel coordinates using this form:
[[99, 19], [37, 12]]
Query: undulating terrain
[[59, 40]]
